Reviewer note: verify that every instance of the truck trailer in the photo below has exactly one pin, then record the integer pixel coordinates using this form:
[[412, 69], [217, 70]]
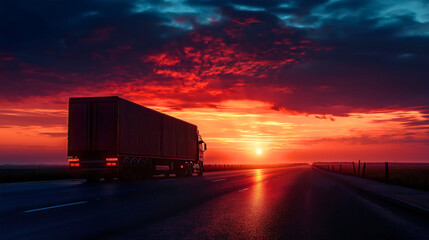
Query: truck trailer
[[111, 137]]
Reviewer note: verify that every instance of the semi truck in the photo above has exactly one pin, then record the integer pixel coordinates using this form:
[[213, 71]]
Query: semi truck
[[110, 137]]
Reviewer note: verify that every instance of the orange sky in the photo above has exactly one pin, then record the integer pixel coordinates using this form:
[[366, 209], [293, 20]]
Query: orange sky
[[34, 131]]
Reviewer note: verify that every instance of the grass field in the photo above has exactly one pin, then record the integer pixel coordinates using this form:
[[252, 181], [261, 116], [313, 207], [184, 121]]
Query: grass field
[[414, 175], [20, 173]]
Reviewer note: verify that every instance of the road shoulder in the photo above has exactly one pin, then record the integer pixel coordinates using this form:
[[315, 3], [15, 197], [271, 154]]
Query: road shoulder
[[408, 198]]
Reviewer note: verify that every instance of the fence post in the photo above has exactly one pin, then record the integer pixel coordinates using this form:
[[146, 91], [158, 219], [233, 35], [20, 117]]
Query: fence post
[[386, 166], [354, 169], [340, 168], [363, 169], [359, 169]]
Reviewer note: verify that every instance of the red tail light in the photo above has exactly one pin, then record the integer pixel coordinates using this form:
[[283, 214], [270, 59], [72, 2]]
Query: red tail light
[[74, 164], [111, 164], [73, 159]]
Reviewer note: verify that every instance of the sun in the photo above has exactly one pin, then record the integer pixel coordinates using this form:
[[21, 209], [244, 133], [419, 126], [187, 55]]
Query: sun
[[258, 151]]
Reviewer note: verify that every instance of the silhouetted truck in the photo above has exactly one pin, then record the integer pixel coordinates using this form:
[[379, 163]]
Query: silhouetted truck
[[112, 137]]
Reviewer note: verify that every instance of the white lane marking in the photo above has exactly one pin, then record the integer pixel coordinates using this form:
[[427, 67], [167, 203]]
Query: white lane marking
[[219, 180], [56, 206], [167, 180], [244, 189], [266, 181]]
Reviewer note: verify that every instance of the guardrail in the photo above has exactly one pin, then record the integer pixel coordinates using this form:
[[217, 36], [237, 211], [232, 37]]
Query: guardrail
[[415, 175]]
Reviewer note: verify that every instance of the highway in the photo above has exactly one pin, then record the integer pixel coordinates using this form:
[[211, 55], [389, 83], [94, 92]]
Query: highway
[[278, 203]]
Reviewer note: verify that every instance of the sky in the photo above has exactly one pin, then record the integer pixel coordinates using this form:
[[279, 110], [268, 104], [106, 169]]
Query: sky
[[264, 81]]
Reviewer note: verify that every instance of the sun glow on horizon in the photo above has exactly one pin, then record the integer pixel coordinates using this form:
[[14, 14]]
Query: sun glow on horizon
[[237, 131]]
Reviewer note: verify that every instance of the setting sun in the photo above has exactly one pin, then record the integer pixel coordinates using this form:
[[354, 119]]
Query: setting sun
[[259, 151]]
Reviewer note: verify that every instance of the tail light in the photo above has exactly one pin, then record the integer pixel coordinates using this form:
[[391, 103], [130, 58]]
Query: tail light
[[111, 162], [73, 159]]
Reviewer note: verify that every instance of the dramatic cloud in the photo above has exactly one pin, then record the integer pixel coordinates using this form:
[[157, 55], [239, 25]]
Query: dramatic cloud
[[328, 61]]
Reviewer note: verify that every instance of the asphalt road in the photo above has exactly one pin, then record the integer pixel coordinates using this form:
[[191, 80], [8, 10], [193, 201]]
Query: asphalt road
[[283, 203]]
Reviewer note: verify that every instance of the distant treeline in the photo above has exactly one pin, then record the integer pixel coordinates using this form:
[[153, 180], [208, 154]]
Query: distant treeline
[[227, 167]]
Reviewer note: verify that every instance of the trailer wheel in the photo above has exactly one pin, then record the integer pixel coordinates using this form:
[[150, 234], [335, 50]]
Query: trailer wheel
[[147, 169], [134, 169], [190, 169], [140, 169]]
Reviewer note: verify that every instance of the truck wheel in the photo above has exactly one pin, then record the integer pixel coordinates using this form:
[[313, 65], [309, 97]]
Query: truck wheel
[[200, 172], [190, 169], [186, 170]]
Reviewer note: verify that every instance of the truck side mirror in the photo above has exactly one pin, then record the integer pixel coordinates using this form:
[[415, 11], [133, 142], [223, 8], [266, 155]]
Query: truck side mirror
[[205, 146]]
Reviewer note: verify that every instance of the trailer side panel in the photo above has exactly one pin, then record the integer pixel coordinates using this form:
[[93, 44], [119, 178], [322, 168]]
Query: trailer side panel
[[146, 132]]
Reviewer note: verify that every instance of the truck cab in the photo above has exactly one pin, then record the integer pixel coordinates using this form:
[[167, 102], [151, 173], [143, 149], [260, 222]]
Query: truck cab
[[202, 147]]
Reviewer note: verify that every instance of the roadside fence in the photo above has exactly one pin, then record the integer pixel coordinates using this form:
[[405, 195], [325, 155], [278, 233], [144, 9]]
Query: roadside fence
[[414, 175]]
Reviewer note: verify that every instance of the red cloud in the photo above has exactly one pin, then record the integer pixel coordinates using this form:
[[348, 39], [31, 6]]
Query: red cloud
[[163, 60], [203, 55]]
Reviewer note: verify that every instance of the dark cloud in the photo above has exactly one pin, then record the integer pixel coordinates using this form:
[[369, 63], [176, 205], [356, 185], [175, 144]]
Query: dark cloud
[[31, 118], [344, 56], [54, 47], [418, 123], [370, 140], [55, 134]]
